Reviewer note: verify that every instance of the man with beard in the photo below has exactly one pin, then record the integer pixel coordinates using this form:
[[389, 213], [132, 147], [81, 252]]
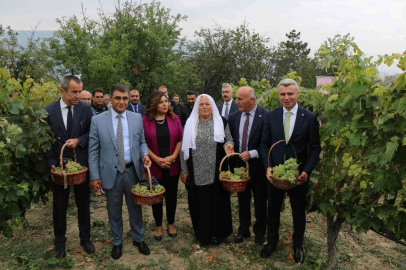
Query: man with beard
[[98, 101], [187, 108], [133, 105]]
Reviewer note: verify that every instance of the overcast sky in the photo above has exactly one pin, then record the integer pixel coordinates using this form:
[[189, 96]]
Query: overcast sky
[[379, 27]]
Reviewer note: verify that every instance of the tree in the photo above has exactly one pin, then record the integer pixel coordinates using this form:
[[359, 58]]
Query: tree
[[226, 55], [138, 45], [293, 55], [24, 135]]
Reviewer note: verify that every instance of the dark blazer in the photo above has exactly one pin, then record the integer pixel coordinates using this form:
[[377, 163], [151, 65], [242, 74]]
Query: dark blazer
[[234, 107], [305, 139], [82, 117], [256, 167], [141, 109]]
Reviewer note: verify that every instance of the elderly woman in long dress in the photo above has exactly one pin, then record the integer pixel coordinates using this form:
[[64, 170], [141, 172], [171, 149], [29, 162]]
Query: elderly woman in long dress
[[206, 140]]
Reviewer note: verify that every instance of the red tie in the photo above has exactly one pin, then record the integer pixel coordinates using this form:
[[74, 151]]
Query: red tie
[[245, 133]]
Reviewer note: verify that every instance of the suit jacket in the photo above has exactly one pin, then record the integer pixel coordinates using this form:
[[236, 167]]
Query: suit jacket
[[141, 109], [256, 167], [82, 117], [175, 133], [103, 154], [305, 139], [233, 108]]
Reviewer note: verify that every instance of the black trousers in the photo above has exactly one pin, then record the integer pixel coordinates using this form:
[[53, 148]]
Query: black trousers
[[170, 183], [257, 188], [60, 205], [297, 198]]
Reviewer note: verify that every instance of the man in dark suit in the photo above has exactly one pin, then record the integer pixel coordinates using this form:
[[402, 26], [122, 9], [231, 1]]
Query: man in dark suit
[[98, 101], [300, 129], [246, 130], [187, 108], [228, 106], [176, 108], [133, 105], [70, 121]]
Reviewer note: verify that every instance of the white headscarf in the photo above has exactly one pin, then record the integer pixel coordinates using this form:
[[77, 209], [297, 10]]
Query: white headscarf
[[189, 134]]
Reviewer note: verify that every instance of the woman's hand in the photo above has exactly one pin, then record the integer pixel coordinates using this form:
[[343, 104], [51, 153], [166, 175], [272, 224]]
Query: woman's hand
[[184, 178], [162, 162]]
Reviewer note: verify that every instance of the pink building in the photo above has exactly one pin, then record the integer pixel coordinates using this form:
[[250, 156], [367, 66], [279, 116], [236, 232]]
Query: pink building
[[324, 80]]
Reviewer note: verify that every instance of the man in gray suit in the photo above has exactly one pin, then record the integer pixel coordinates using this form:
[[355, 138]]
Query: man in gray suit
[[116, 154]]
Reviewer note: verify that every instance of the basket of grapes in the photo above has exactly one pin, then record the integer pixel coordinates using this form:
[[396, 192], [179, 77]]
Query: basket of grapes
[[284, 176], [237, 181], [72, 174], [148, 191]]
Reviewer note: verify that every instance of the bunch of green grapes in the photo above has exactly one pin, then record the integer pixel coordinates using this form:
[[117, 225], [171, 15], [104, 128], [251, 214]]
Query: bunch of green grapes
[[140, 189], [241, 172], [158, 189], [287, 171], [235, 177], [72, 167], [226, 175]]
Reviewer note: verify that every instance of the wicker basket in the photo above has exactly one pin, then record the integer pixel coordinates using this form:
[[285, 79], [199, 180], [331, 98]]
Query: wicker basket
[[283, 184], [68, 179], [148, 199], [234, 185]]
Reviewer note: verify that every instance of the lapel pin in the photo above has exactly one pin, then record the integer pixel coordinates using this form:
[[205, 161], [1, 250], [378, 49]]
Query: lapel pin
[[302, 114], [260, 115]]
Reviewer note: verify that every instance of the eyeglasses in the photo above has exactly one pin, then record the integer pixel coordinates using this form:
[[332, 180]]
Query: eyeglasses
[[121, 98]]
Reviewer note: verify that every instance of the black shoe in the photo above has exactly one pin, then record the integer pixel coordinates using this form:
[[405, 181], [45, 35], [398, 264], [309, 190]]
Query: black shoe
[[259, 240], [60, 251], [240, 237], [173, 235], [298, 255], [158, 238], [216, 241], [87, 246], [116, 252], [268, 250], [142, 247]]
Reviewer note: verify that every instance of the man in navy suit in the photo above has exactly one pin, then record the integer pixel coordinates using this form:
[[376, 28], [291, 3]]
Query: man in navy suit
[[246, 130], [228, 106], [300, 129], [133, 105], [70, 120]]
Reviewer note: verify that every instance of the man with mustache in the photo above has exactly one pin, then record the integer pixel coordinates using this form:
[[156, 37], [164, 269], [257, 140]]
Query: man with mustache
[[228, 106]]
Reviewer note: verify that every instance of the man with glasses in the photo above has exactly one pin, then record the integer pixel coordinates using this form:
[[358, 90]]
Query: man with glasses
[[116, 156], [98, 101]]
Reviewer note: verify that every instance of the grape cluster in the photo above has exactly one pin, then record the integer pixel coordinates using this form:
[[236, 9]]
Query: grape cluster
[[287, 171], [239, 173], [70, 167], [144, 189]]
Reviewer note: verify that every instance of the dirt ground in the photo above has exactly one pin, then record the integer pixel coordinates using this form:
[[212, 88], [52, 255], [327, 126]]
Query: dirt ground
[[32, 247]]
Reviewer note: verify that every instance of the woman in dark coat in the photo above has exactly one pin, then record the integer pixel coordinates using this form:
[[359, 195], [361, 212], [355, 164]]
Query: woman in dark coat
[[206, 140]]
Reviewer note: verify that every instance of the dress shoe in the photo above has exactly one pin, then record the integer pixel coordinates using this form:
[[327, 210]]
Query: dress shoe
[[60, 251], [259, 240], [87, 246], [142, 247], [173, 235], [240, 237], [268, 250], [116, 252], [298, 255]]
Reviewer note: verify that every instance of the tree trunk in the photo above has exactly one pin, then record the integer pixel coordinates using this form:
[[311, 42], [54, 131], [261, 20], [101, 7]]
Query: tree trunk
[[333, 228]]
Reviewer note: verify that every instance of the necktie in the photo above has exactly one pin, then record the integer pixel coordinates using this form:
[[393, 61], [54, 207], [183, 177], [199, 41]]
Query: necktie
[[120, 145], [245, 133], [286, 128], [69, 122], [226, 113]]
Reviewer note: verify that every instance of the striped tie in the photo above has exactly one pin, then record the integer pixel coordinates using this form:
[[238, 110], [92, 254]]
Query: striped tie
[[120, 145]]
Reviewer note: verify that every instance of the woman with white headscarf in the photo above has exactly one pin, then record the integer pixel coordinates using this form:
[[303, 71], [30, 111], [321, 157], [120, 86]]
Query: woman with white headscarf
[[206, 140]]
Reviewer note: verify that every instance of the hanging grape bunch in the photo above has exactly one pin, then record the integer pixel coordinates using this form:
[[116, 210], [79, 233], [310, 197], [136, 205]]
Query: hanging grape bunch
[[70, 167], [239, 174], [288, 171]]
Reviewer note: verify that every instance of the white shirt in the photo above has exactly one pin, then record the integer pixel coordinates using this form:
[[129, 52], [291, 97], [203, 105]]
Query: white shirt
[[292, 118], [223, 111], [65, 111], [126, 133], [253, 153]]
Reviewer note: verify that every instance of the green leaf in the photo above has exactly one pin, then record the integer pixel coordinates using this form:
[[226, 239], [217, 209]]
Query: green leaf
[[379, 92], [358, 89], [357, 139], [363, 185], [52, 261], [333, 97], [391, 148], [357, 71], [15, 106], [21, 151]]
